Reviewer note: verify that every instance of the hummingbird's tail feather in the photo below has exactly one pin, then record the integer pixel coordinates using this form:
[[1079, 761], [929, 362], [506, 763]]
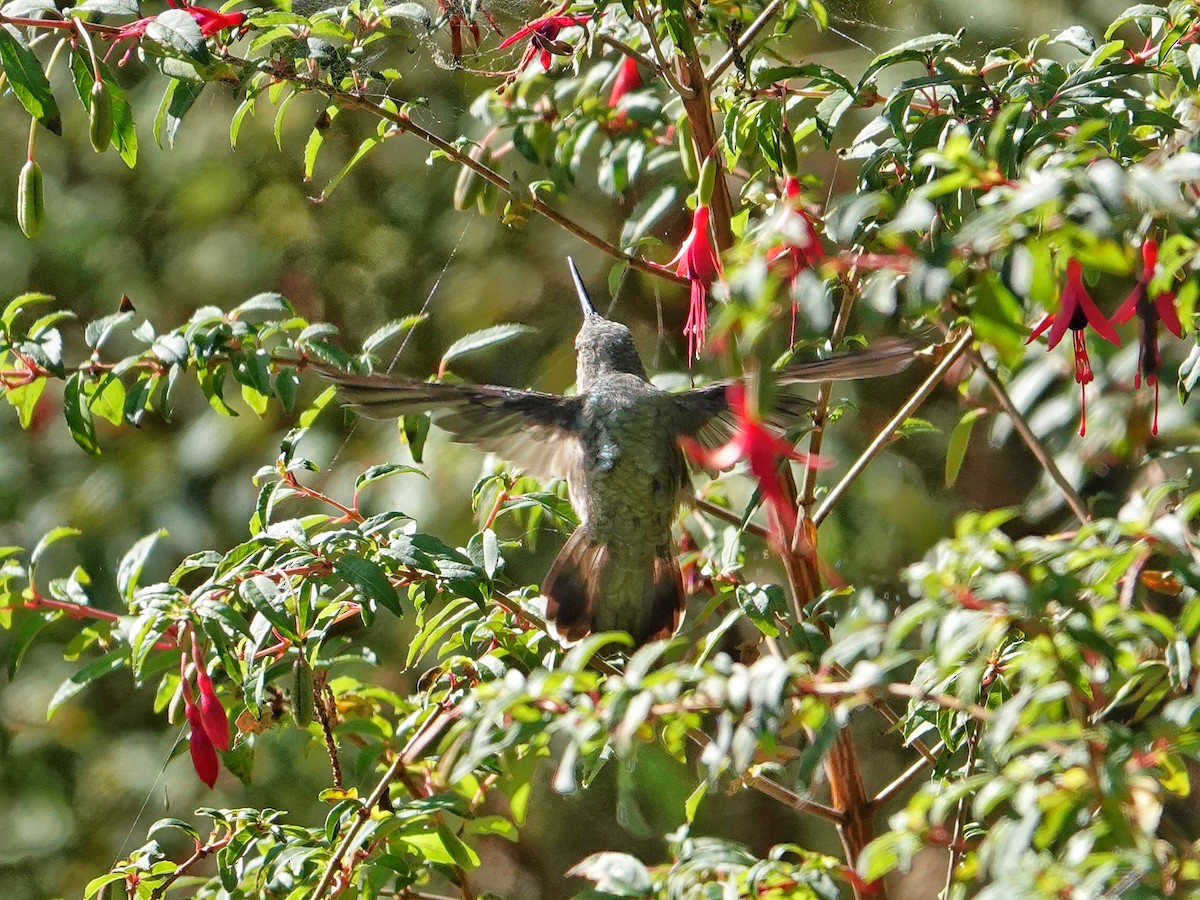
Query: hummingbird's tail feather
[[588, 590]]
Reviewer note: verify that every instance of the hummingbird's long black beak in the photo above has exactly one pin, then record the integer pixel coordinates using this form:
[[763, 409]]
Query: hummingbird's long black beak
[[584, 300]]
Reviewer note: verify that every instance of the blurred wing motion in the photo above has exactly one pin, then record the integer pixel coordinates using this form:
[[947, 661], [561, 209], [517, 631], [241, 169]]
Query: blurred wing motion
[[538, 432], [707, 416]]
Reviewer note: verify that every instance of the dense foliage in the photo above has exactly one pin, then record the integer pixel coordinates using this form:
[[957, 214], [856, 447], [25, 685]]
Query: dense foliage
[[1035, 671]]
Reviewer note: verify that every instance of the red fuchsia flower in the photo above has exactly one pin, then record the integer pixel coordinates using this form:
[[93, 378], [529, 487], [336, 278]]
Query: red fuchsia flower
[[628, 79], [200, 745], [543, 38], [1076, 311], [1151, 311], [698, 262], [211, 22], [801, 246], [212, 713], [204, 754], [763, 449]]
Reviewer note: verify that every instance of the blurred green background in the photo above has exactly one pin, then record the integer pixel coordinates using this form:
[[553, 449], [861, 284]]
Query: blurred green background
[[202, 224]]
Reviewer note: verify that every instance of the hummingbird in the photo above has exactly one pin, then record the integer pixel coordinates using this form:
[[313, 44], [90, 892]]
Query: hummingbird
[[616, 442]]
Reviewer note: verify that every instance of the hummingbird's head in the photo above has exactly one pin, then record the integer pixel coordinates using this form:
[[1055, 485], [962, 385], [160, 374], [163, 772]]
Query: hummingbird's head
[[602, 346]]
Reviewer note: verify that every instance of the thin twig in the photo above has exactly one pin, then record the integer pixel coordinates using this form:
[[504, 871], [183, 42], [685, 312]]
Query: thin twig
[[1077, 504], [905, 778], [728, 515], [748, 34], [792, 800], [664, 66], [622, 47], [897, 421], [428, 732], [960, 814], [817, 436], [404, 123]]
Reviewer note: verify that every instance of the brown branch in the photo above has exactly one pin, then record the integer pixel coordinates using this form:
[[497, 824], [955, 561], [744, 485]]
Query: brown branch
[[728, 515], [748, 34], [1077, 504], [905, 778], [405, 124], [428, 732], [897, 421], [821, 411]]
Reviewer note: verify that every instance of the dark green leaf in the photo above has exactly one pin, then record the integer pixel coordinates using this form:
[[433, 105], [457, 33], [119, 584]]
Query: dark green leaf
[[27, 79]]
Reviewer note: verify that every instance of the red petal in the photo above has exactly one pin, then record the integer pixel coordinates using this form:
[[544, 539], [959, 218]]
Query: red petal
[[204, 755], [1128, 306], [516, 36], [1096, 319], [1037, 332], [1165, 304]]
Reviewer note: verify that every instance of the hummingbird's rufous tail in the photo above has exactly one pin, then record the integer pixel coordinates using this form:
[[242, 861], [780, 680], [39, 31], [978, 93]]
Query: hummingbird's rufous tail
[[588, 590]]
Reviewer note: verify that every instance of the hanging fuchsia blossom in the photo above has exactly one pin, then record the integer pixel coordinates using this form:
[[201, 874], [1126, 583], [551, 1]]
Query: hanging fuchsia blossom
[[211, 22], [698, 262], [1076, 311], [212, 714], [801, 247], [200, 745], [1151, 311], [628, 79], [763, 449], [543, 38]]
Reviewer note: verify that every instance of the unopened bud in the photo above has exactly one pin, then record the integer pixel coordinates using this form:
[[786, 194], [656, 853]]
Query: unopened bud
[[100, 117], [31, 200]]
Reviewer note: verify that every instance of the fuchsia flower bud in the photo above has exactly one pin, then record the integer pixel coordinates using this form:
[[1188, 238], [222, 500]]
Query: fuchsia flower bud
[[204, 754], [212, 713]]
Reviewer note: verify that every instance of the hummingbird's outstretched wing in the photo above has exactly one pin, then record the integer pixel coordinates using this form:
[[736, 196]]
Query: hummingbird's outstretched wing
[[708, 419], [538, 432]]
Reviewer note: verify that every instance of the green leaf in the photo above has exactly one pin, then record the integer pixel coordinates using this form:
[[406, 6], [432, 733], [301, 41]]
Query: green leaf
[[178, 98], [109, 7], [956, 448], [78, 415], [369, 579], [25, 399], [359, 155], [51, 537], [618, 874], [385, 333], [109, 662], [179, 34], [28, 81], [129, 570], [479, 340], [387, 470], [99, 883], [124, 135]]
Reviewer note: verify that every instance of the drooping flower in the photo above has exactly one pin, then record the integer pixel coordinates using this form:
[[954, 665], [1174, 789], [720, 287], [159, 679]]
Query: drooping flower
[[763, 449], [1076, 311], [1151, 310], [543, 37], [212, 713], [800, 247], [204, 754], [628, 79], [211, 22], [698, 262]]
